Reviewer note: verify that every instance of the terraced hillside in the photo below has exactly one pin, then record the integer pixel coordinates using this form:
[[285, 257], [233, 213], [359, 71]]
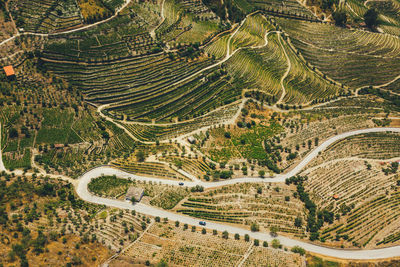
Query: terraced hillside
[[148, 132], [366, 201], [265, 205], [347, 56], [46, 16], [388, 13], [209, 107], [260, 68], [175, 245], [285, 6], [187, 21]]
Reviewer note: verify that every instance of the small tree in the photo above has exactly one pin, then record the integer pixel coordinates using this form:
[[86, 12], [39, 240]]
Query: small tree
[[256, 242], [225, 234], [299, 250], [133, 200], [265, 244], [255, 227], [140, 156], [340, 18], [261, 173], [158, 219], [371, 18], [276, 243], [237, 236], [246, 238], [13, 133], [274, 231], [298, 222]]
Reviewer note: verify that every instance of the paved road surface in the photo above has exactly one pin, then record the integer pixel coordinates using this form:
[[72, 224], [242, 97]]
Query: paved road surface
[[83, 192]]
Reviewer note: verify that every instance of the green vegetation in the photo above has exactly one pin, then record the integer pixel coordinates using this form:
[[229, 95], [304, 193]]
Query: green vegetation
[[33, 222], [315, 217], [215, 89], [349, 59], [46, 16], [108, 185]]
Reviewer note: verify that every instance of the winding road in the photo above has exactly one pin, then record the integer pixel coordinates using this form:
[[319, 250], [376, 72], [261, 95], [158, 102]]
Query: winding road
[[82, 191], [81, 186]]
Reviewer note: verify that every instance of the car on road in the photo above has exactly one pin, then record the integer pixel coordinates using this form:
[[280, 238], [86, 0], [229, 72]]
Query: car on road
[[203, 223], [181, 183]]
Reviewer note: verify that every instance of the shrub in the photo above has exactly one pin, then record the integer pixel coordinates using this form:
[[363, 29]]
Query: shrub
[[340, 18], [371, 18], [255, 227], [246, 238], [225, 234], [299, 250], [276, 243]]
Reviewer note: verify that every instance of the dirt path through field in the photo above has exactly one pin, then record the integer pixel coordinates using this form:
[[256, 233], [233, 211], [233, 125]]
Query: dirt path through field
[[285, 74]]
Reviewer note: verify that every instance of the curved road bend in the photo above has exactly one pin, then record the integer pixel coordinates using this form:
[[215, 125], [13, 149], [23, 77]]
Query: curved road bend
[[82, 191]]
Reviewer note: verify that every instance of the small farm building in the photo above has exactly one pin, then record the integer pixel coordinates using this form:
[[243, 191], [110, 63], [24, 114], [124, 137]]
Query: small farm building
[[191, 139], [9, 70], [134, 192]]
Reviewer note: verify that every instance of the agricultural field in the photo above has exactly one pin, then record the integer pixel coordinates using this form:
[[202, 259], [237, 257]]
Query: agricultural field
[[174, 244], [259, 206], [236, 143], [364, 196], [251, 33], [46, 16], [288, 6], [187, 21], [342, 54], [51, 128], [260, 69], [209, 106], [304, 86], [379, 146], [154, 132], [151, 169]]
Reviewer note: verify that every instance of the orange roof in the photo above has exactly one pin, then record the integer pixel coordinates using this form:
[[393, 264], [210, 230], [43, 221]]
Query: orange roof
[[335, 196], [9, 70]]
